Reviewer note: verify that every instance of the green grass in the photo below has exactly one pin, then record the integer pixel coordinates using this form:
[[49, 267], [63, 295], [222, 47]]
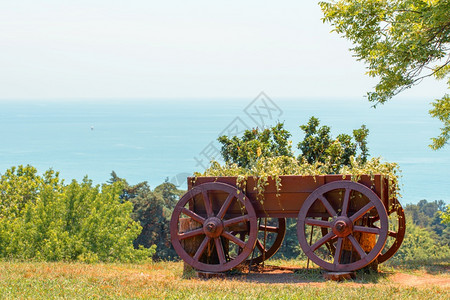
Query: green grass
[[39, 280]]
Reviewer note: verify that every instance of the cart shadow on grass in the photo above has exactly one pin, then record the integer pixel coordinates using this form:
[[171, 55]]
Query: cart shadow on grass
[[270, 274], [288, 275]]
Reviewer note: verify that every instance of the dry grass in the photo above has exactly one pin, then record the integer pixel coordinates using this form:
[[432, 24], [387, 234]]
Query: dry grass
[[163, 280]]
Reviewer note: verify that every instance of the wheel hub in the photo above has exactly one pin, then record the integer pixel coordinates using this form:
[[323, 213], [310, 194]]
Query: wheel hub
[[213, 227], [342, 226]]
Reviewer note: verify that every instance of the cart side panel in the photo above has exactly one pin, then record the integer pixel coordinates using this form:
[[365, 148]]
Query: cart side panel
[[293, 192], [285, 203], [385, 195], [377, 183]]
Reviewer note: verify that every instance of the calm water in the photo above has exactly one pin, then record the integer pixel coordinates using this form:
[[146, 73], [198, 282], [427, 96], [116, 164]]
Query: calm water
[[155, 139]]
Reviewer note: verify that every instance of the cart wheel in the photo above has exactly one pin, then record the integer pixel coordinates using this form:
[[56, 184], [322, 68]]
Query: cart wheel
[[214, 199], [396, 232], [347, 203], [275, 236]]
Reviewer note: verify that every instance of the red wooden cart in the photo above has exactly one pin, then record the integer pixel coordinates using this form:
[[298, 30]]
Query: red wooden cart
[[228, 222]]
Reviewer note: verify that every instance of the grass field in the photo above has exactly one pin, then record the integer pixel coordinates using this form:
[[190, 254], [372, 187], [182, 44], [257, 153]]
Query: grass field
[[164, 280]]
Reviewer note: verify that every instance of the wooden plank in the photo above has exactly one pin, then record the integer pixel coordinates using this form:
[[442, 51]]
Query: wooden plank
[[293, 192]]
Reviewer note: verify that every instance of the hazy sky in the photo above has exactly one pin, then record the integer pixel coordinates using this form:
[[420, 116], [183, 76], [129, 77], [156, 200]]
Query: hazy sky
[[198, 48]]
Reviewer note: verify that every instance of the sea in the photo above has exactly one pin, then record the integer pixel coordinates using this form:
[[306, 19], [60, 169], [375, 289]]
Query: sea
[[157, 140]]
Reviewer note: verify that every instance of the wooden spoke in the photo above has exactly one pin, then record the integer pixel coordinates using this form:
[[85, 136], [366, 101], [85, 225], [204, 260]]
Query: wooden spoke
[[219, 249], [362, 212], [274, 233], [357, 246], [346, 202], [242, 238], [208, 206], [193, 215], [322, 241], [315, 222], [189, 234], [260, 246], [337, 253], [201, 248], [392, 234], [374, 230], [268, 228], [328, 206], [234, 239], [225, 206], [236, 220]]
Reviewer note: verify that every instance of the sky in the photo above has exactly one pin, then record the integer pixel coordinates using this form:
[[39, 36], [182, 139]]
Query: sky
[[177, 49]]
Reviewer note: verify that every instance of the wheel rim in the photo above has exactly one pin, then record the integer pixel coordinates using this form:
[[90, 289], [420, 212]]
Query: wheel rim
[[215, 226], [343, 224], [396, 232], [279, 230]]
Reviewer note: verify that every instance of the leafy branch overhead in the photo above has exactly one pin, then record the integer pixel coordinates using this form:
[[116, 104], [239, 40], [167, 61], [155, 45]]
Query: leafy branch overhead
[[402, 42]]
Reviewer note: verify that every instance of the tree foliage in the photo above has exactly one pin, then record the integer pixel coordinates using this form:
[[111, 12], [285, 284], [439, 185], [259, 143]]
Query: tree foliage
[[428, 215], [401, 42], [445, 215], [246, 150], [319, 146], [42, 218], [426, 239], [420, 246], [321, 154], [152, 210]]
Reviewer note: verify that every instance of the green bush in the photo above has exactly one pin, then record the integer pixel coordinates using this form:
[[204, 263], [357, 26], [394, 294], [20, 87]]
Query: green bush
[[420, 247], [245, 151], [319, 146], [41, 218], [445, 215]]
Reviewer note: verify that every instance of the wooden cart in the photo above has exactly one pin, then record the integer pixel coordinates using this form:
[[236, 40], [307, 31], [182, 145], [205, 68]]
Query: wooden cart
[[219, 224]]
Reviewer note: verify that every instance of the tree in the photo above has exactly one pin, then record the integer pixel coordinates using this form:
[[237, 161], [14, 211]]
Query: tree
[[428, 215], [19, 186], [445, 215], [319, 146], [41, 218], [152, 209], [402, 42], [254, 144], [420, 245]]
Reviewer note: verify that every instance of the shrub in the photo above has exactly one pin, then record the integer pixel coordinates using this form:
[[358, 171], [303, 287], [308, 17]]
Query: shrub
[[41, 218], [420, 247]]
